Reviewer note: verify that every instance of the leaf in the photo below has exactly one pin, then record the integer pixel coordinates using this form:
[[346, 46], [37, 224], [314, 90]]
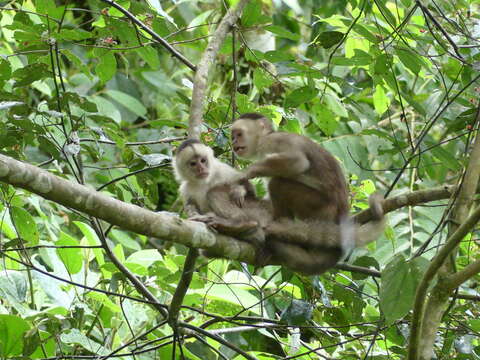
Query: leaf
[[262, 79], [128, 101], [25, 225], [392, 21], [409, 59], [399, 283], [300, 96], [13, 286], [30, 73], [92, 239], [71, 258], [329, 38], [12, 329], [145, 257], [106, 67], [282, 32], [74, 336], [324, 119], [297, 313], [150, 55], [5, 70], [252, 13], [380, 100]]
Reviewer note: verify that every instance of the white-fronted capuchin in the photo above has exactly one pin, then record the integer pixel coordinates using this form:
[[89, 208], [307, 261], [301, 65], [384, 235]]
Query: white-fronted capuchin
[[306, 181], [207, 186]]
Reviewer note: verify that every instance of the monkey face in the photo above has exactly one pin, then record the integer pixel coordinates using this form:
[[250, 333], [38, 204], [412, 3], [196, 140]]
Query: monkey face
[[245, 135], [193, 162], [198, 165]]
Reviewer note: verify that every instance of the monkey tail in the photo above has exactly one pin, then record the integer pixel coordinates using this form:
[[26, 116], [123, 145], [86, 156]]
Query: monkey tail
[[372, 230]]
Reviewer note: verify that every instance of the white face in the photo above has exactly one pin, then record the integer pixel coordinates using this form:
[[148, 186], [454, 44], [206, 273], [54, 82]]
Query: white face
[[245, 135], [193, 163]]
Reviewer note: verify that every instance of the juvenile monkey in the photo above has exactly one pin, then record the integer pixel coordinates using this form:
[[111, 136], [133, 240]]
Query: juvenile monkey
[[306, 180], [310, 247]]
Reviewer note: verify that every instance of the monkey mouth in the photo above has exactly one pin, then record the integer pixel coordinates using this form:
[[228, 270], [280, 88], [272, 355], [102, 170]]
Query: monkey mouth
[[202, 175], [239, 149]]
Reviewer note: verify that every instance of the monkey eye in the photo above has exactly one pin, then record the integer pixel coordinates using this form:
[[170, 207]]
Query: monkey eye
[[192, 163], [203, 160]]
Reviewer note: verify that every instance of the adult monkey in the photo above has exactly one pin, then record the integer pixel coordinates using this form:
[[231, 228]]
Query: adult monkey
[[306, 180], [206, 183]]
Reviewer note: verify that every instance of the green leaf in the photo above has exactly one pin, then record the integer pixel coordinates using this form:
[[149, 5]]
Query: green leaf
[[74, 336], [380, 100], [30, 73], [399, 283], [106, 67], [300, 96], [145, 257], [392, 21], [92, 240], [278, 56], [150, 54], [25, 225], [297, 313], [71, 258], [325, 119], [329, 38], [73, 35], [252, 13], [5, 70], [12, 329], [282, 32], [262, 79], [409, 59], [128, 101]]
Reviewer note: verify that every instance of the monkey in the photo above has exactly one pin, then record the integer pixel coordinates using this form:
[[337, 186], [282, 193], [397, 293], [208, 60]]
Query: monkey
[[306, 181], [206, 185]]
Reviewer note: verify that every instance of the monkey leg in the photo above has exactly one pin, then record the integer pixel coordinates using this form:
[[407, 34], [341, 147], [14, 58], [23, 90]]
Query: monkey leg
[[306, 261]]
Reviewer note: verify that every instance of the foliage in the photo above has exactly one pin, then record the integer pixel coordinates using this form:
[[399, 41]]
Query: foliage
[[389, 87]]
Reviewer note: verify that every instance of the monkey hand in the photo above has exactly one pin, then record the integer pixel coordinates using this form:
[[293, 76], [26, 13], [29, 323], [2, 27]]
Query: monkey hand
[[209, 219], [237, 194]]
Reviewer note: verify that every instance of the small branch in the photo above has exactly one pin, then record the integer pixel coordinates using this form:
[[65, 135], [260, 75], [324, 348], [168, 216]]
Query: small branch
[[217, 338], [455, 280], [152, 142], [152, 33], [206, 62], [182, 287], [141, 288]]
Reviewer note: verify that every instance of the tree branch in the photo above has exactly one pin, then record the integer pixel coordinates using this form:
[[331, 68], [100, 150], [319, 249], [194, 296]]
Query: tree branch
[[455, 280], [126, 216], [152, 33], [208, 59], [435, 264], [409, 199], [182, 287]]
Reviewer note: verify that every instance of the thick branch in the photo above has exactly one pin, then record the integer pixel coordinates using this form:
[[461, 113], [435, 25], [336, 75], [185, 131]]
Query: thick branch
[[126, 216], [436, 263], [426, 324], [152, 33], [207, 60], [455, 280]]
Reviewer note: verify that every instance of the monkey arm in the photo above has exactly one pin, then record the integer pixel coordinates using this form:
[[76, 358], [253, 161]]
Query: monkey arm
[[282, 164]]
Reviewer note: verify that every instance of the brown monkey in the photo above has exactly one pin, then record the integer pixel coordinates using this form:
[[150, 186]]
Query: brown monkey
[[310, 247], [306, 180]]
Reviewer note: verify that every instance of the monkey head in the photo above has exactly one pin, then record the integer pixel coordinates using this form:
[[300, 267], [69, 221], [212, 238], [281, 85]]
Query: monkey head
[[247, 131], [192, 161]]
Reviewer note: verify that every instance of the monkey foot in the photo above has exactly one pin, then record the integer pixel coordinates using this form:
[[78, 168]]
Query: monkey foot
[[232, 228]]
